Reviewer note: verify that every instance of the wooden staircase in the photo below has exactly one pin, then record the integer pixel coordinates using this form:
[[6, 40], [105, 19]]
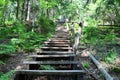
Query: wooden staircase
[[56, 53]]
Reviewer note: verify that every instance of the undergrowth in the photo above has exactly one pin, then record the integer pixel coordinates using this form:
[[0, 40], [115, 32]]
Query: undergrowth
[[20, 39], [96, 36], [110, 56], [47, 67], [7, 75]]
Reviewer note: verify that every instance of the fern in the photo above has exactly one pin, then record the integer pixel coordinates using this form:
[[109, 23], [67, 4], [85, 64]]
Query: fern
[[1, 63], [110, 57], [7, 76], [47, 67], [7, 49]]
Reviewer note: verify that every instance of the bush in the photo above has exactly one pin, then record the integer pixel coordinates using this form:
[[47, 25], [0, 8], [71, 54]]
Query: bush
[[7, 76], [7, 49], [46, 24], [96, 36], [110, 56], [21, 39], [91, 35]]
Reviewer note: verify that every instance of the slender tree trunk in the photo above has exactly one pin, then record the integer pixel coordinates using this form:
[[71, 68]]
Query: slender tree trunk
[[28, 10], [23, 11], [4, 12], [47, 12], [17, 9]]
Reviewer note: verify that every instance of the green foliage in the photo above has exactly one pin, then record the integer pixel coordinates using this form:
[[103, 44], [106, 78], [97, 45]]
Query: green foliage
[[18, 28], [110, 56], [91, 35], [1, 73], [85, 64], [97, 36], [28, 41], [116, 70], [111, 37], [47, 67], [5, 32], [7, 49], [1, 63], [7, 76], [46, 24]]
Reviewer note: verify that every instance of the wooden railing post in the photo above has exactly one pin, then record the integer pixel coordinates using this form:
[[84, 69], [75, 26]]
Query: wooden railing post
[[77, 38]]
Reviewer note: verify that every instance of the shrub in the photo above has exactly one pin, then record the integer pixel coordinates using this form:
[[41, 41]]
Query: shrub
[[46, 24], [91, 34], [85, 64], [110, 56], [7, 49], [96, 36], [7, 76]]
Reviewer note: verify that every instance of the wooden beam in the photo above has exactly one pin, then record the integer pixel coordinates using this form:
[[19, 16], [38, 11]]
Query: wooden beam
[[56, 47], [51, 72], [52, 42], [44, 56], [59, 38], [55, 40], [55, 52], [51, 62], [100, 67]]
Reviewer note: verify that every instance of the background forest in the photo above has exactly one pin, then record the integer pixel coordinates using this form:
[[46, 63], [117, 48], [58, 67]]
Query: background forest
[[25, 24]]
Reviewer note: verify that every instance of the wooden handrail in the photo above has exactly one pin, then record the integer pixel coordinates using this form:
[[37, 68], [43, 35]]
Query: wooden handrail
[[100, 67]]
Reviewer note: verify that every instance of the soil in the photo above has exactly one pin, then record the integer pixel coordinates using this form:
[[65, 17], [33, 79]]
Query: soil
[[12, 62]]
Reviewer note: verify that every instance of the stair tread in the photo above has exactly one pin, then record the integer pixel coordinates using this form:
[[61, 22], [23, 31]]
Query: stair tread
[[51, 62], [56, 42], [56, 72], [57, 52], [56, 47], [38, 56]]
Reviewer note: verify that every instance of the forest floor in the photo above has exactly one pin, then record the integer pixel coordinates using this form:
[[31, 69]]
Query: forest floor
[[12, 62]]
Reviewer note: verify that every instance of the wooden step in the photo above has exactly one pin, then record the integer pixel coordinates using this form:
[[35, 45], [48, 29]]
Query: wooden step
[[55, 52], [60, 38], [51, 62], [56, 47], [51, 72], [44, 56], [56, 42]]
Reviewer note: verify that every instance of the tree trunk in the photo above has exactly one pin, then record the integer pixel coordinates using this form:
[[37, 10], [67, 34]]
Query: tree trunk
[[17, 10], [28, 10], [3, 13], [23, 11]]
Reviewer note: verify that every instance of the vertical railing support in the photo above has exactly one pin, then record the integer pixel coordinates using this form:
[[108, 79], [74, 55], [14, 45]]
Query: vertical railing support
[[77, 38]]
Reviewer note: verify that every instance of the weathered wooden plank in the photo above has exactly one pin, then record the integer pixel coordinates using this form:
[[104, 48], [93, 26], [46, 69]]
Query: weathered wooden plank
[[100, 67], [55, 52], [51, 72], [39, 56], [56, 42], [51, 62], [56, 47], [59, 38]]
